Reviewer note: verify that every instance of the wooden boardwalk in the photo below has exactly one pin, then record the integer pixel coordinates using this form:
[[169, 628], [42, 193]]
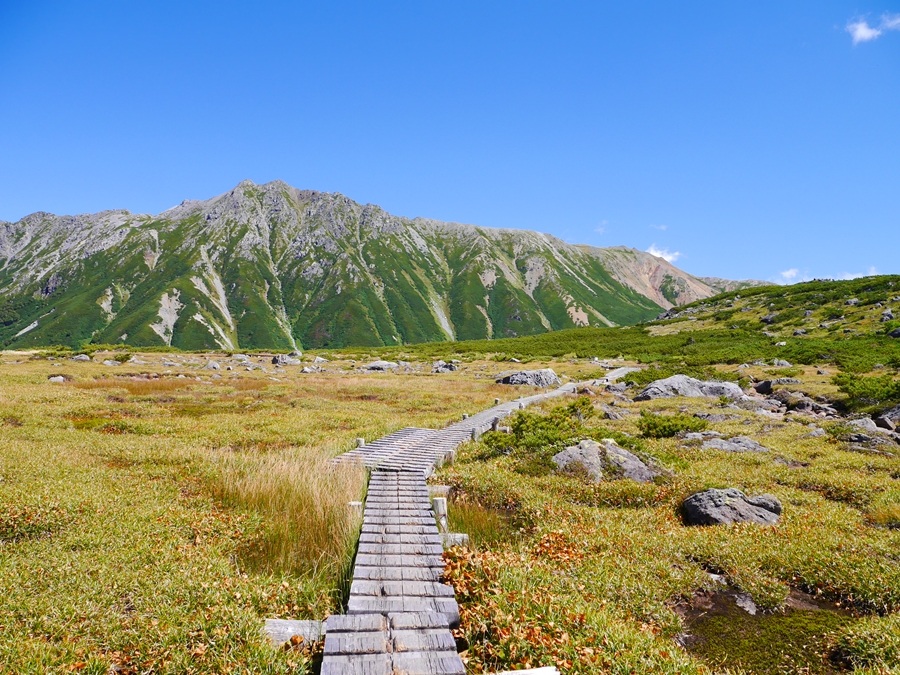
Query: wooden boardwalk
[[400, 614]]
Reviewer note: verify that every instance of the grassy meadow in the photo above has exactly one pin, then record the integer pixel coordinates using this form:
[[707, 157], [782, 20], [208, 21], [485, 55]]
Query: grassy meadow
[[605, 577], [149, 525]]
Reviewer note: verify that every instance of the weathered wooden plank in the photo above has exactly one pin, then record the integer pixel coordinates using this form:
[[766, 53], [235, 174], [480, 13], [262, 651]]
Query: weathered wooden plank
[[428, 663], [375, 642], [409, 620], [358, 664], [343, 623], [423, 640]]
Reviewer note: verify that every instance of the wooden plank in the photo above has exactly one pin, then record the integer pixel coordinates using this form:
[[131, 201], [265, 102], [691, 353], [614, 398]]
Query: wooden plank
[[375, 642], [343, 623], [358, 664], [423, 640]]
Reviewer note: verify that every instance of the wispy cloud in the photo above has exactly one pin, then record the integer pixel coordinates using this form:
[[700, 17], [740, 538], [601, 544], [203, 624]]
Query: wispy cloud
[[871, 272], [664, 253], [861, 31], [791, 274], [601, 229], [660, 227]]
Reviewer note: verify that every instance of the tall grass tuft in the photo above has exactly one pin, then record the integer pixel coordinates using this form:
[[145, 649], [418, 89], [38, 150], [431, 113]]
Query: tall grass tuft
[[308, 525]]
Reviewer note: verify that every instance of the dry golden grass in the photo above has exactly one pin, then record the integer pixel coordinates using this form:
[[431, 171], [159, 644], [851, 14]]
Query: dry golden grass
[[303, 499]]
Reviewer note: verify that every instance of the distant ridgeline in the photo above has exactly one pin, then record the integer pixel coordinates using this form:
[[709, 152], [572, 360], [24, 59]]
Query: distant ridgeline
[[273, 267]]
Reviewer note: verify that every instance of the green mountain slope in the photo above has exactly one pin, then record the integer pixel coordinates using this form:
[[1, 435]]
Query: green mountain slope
[[270, 266]]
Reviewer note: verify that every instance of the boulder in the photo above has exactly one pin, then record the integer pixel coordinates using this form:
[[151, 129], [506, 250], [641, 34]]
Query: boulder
[[889, 419], [769, 318], [604, 458], [800, 331], [764, 387], [736, 444], [212, 365], [319, 359], [852, 302], [296, 354], [381, 366], [894, 333], [284, 360], [81, 357], [56, 378], [682, 385], [110, 362], [442, 367], [781, 363], [536, 378], [723, 507]]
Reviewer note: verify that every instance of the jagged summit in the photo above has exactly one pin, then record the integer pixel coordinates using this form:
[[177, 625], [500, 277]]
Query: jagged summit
[[272, 266]]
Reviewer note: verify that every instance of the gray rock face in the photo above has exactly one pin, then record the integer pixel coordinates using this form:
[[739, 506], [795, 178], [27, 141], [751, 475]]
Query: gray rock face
[[723, 507], [381, 365], [682, 385], [81, 357], [889, 419], [600, 459], [736, 444], [442, 367], [536, 378], [284, 360], [764, 387]]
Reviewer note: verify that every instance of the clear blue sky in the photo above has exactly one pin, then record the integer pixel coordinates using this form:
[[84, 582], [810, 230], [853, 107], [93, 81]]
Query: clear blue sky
[[751, 137]]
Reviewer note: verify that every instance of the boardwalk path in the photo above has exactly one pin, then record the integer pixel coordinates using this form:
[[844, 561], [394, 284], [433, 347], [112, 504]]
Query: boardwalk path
[[399, 614]]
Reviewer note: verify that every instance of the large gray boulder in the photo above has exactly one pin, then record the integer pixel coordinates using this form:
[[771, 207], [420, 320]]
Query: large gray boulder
[[442, 367], [381, 365], [285, 360], [81, 357], [536, 378], [723, 507], [889, 419], [682, 385], [736, 444], [604, 459]]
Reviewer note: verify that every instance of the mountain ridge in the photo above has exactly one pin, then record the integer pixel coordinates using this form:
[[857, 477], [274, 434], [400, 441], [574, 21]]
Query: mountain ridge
[[272, 266]]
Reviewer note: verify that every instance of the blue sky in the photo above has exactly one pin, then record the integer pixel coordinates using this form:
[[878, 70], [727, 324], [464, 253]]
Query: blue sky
[[752, 139]]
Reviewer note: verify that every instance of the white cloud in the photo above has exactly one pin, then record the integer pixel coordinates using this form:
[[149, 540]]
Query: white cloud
[[861, 31], [664, 253], [602, 228], [791, 274], [660, 227]]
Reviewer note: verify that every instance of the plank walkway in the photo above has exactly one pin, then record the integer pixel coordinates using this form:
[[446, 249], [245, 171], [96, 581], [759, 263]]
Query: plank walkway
[[400, 614]]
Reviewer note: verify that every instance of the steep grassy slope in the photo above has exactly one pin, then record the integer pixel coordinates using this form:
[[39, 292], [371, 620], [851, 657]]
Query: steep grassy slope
[[273, 267]]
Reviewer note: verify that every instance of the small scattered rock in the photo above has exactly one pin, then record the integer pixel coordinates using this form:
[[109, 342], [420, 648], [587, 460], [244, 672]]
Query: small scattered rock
[[81, 357], [319, 359], [110, 362], [56, 378], [537, 378], [212, 365], [852, 302], [769, 318], [781, 363], [800, 331], [722, 507], [817, 432]]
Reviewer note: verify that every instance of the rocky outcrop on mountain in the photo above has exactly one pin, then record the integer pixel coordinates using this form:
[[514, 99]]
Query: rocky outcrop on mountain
[[273, 267]]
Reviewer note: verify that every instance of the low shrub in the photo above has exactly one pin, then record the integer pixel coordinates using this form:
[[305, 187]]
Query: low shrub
[[868, 394], [666, 426], [871, 643]]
